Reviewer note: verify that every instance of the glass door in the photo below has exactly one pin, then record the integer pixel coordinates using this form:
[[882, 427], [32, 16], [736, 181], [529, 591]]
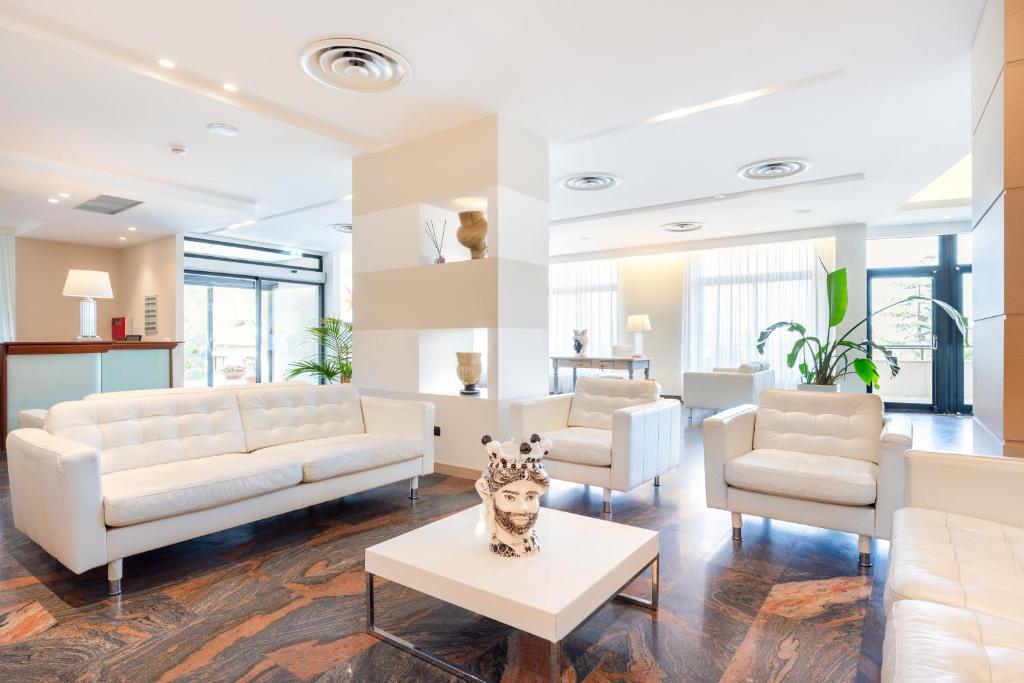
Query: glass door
[[288, 309], [906, 330], [221, 324]]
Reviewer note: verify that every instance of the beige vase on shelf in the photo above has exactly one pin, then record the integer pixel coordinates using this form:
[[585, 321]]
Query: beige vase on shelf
[[472, 232], [469, 371]]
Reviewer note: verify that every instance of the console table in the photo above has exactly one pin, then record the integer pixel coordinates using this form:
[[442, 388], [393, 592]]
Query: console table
[[40, 374], [629, 364]]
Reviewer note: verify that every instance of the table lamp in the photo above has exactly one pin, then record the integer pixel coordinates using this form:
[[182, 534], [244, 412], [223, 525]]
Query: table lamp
[[88, 285], [638, 324]]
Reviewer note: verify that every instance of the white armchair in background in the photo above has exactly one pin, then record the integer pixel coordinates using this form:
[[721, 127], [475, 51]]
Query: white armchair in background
[[726, 387], [612, 433], [826, 460]]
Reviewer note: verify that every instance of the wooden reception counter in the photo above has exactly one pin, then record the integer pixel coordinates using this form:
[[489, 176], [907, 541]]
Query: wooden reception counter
[[40, 374]]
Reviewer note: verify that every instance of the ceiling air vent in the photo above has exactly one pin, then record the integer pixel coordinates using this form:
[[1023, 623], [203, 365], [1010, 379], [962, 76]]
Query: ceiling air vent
[[355, 65], [682, 226], [344, 228], [107, 204], [589, 182], [773, 169]]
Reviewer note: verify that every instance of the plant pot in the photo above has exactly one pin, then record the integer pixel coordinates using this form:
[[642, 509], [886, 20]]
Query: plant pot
[[469, 371], [822, 388], [439, 260]]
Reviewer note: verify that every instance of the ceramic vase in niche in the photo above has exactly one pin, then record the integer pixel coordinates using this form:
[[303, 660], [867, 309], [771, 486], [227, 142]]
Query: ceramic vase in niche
[[579, 342], [469, 371], [510, 489], [472, 232]]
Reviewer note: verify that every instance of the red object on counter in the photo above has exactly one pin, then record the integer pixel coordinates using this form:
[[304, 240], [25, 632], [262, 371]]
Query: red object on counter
[[117, 329]]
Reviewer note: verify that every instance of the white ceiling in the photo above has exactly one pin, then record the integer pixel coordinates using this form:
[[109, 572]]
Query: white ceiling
[[87, 111]]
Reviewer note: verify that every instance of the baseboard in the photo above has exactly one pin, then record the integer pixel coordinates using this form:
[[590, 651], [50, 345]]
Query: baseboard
[[456, 471]]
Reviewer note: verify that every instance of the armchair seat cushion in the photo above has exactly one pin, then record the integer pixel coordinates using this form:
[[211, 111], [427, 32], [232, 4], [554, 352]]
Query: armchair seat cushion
[[334, 456], [808, 476], [581, 445], [928, 642], [958, 561], [143, 494]]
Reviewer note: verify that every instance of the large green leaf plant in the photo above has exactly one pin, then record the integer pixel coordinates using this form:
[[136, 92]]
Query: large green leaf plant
[[332, 361], [829, 361]]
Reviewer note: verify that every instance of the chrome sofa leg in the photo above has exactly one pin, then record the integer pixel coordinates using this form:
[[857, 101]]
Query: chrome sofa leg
[[864, 550], [607, 501], [114, 570], [657, 480], [737, 526], [414, 488]]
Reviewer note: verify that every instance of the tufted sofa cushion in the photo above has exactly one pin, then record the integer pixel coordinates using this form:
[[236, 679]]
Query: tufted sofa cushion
[[808, 476], [925, 643], [958, 561], [597, 398], [152, 430], [844, 425], [286, 414]]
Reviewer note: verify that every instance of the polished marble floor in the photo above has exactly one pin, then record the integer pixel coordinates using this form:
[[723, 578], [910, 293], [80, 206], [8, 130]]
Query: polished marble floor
[[283, 600]]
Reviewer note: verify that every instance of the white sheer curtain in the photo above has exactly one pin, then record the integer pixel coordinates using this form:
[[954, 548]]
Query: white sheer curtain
[[6, 287], [732, 294], [583, 296]]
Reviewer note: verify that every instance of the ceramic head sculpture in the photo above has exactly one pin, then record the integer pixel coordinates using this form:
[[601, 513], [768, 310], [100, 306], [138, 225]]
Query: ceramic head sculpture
[[511, 488], [579, 342], [472, 232]]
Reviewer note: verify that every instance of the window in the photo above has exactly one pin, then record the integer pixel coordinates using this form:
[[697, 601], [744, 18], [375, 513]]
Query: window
[[583, 296], [898, 252]]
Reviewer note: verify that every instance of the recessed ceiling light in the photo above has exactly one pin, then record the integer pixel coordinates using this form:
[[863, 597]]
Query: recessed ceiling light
[[165, 63], [53, 200], [354, 65], [803, 210], [757, 229], [585, 239], [231, 87], [682, 226], [773, 169], [222, 129], [248, 223], [471, 203], [946, 218], [719, 196], [122, 238], [347, 198], [63, 195], [178, 149], [344, 228], [132, 228], [589, 182]]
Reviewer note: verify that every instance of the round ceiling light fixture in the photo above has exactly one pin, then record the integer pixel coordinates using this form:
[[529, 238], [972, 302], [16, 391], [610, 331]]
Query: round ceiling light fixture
[[682, 226], [589, 182], [222, 129], [343, 228], [354, 65], [178, 149], [773, 169]]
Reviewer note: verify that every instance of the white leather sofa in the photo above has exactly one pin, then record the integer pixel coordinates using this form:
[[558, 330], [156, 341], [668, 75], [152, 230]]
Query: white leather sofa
[[724, 388], [612, 433], [826, 460], [109, 479], [955, 590]]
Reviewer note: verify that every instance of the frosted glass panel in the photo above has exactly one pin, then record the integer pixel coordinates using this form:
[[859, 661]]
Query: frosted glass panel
[[40, 381], [135, 369]]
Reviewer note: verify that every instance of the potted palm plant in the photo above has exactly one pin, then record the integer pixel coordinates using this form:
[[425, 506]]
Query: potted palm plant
[[332, 361], [823, 363]]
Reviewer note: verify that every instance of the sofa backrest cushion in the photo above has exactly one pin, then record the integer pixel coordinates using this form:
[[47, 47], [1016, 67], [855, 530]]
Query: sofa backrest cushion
[[286, 414], [596, 398], [152, 430], [844, 425]]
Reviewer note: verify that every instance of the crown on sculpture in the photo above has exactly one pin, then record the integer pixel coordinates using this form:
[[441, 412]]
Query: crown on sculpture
[[512, 456]]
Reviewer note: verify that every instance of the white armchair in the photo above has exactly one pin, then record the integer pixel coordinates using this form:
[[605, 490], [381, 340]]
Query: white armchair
[[827, 460], [726, 387], [612, 433]]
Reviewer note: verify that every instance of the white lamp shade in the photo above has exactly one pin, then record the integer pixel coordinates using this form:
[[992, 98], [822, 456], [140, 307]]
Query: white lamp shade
[[638, 323], [88, 283]]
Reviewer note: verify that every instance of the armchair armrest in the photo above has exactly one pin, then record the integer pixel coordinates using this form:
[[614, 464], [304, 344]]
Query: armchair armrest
[[896, 438], [405, 418], [57, 496], [539, 415], [645, 442], [981, 486], [727, 435]]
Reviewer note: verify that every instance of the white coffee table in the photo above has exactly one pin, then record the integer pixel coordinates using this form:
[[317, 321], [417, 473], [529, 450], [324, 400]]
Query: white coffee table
[[583, 563]]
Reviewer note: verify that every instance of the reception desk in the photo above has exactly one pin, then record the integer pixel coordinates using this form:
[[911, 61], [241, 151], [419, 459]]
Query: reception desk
[[40, 374]]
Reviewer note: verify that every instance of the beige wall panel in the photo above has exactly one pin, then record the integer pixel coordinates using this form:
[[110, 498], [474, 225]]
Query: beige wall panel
[[386, 359], [1013, 251], [519, 226], [989, 277], [387, 239], [435, 168], [41, 266], [1013, 125], [522, 160], [1014, 30], [156, 267], [654, 285], [462, 294], [986, 57], [988, 374], [1013, 378], [523, 294], [987, 157]]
